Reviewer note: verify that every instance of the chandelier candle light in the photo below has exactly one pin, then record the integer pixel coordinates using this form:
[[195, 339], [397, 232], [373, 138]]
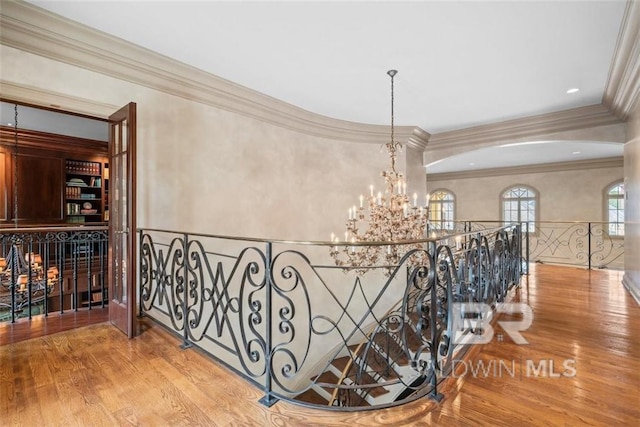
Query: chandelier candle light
[[389, 218]]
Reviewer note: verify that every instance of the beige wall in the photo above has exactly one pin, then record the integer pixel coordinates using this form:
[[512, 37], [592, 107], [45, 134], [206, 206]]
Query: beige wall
[[415, 172], [632, 207], [202, 169], [573, 195]]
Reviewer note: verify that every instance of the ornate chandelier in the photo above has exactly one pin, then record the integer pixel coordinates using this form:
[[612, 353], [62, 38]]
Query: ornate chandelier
[[388, 218]]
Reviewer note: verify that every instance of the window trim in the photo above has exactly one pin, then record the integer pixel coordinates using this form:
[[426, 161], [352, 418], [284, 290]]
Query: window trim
[[536, 198], [605, 205], [454, 203]]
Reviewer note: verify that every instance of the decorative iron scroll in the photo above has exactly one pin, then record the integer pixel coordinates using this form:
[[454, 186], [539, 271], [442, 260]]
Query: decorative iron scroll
[[581, 243], [40, 266], [309, 332], [586, 244]]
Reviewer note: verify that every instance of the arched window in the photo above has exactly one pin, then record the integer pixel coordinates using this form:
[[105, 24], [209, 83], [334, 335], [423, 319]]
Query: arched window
[[615, 209], [441, 209], [519, 204]]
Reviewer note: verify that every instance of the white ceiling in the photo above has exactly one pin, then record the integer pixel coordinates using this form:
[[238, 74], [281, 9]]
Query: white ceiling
[[526, 153], [460, 64]]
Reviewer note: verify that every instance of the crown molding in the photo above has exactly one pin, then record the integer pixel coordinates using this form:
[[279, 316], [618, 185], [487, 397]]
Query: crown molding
[[10, 92], [576, 118], [418, 139], [610, 162], [31, 29], [623, 84]]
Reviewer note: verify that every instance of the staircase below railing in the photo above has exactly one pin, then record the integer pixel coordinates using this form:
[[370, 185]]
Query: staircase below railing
[[306, 331]]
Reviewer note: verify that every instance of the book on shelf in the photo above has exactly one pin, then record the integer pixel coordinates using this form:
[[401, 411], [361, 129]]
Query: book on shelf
[[82, 167], [73, 208]]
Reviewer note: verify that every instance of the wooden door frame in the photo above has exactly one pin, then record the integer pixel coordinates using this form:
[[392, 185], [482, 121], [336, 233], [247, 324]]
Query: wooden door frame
[[128, 323], [45, 100]]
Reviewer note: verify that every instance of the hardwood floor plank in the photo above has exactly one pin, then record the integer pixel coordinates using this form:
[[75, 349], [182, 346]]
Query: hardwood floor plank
[[38, 326], [96, 376]]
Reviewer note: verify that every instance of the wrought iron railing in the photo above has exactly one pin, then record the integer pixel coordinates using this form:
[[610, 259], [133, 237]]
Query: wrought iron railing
[[590, 244], [53, 269], [282, 315]]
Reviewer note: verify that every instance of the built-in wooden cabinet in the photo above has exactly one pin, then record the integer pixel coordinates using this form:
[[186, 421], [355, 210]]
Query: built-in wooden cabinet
[[53, 173]]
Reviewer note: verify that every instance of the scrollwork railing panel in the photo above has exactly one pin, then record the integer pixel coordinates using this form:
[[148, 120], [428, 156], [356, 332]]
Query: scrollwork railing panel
[[587, 244], [286, 318], [590, 244]]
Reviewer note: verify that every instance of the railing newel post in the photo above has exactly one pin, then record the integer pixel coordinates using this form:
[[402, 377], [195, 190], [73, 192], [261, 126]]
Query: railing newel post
[[74, 257], [60, 257], [45, 264], [589, 239], [185, 337], [140, 315], [268, 399], [29, 276], [14, 282], [520, 257], [434, 395], [528, 260], [103, 254], [88, 245]]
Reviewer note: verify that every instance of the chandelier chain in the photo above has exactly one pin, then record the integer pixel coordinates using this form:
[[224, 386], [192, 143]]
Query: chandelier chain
[[392, 113]]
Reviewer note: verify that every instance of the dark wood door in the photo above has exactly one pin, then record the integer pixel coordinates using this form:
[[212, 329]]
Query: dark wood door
[[40, 183], [122, 219]]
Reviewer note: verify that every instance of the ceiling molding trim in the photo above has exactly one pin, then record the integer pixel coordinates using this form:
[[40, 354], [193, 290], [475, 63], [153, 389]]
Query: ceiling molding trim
[[623, 84], [575, 118], [31, 29], [55, 100], [418, 139], [610, 162]]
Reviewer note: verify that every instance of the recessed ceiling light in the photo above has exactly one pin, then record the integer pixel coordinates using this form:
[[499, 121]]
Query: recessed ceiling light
[[573, 90], [472, 164], [576, 152]]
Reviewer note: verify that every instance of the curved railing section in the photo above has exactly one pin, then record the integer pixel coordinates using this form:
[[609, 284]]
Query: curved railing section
[[590, 244], [283, 316]]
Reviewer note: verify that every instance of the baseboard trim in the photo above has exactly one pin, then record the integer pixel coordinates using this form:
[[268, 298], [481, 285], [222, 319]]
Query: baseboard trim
[[632, 287]]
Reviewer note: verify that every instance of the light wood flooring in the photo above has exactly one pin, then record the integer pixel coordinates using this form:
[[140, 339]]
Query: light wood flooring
[[94, 376], [38, 326]]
